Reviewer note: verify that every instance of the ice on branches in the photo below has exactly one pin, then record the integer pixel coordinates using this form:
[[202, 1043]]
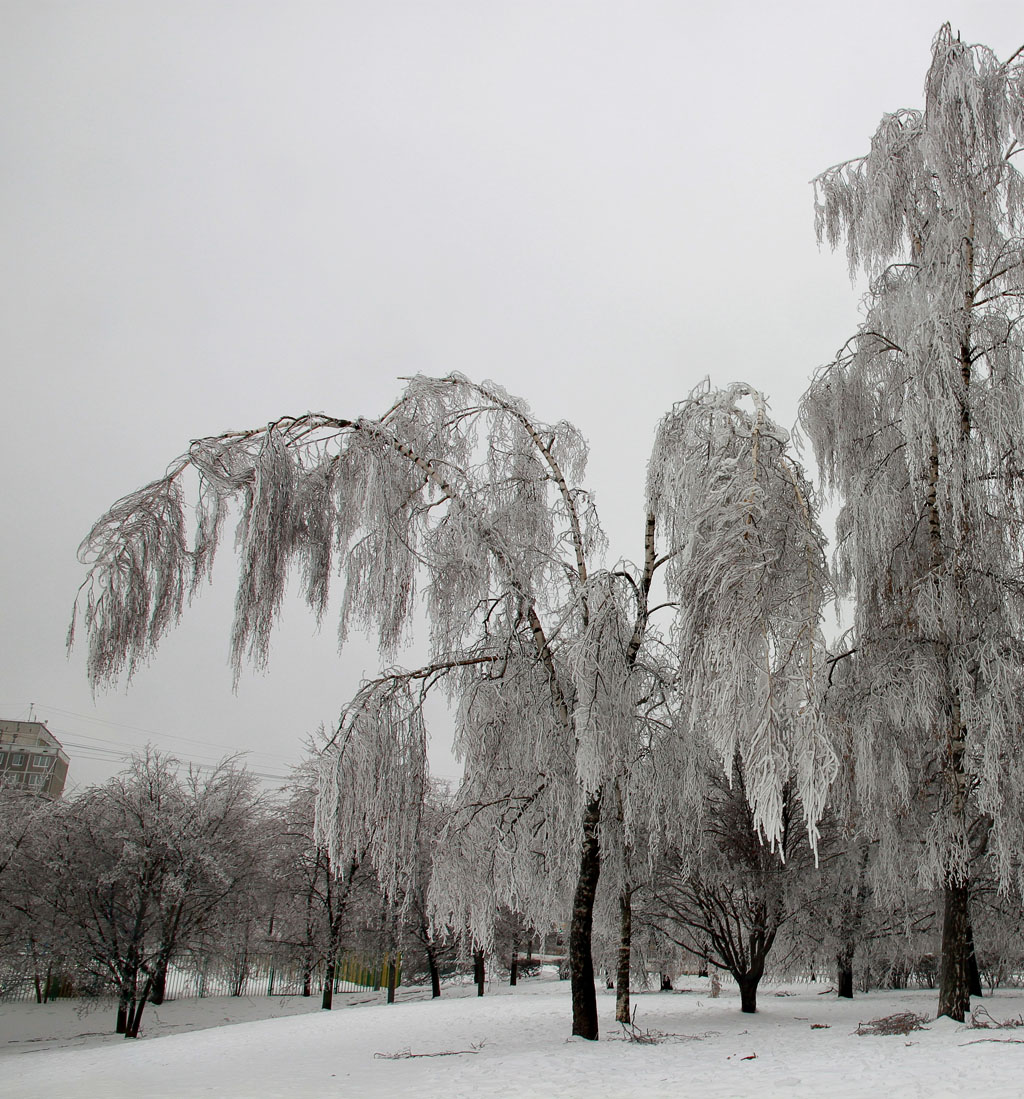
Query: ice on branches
[[748, 572], [455, 480], [373, 774], [582, 726], [917, 427]]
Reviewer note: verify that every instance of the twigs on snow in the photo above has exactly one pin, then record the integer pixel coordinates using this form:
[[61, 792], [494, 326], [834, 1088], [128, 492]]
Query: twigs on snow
[[632, 1033], [407, 1054], [902, 1022], [981, 1019]]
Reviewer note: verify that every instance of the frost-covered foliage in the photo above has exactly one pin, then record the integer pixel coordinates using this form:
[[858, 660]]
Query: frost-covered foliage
[[748, 573], [576, 748], [144, 868], [918, 429], [442, 486], [372, 784], [513, 834]]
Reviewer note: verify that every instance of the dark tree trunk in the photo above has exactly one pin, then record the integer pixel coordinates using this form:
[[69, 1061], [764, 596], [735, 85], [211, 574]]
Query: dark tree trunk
[[581, 961], [392, 978], [52, 990], [333, 948], [954, 986], [328, 997], [479, 971], [135, 1013], [435, 973], [307, 976], [513, 968], [159, 989], [126, 1001], [666, 982], [973, 972], [748, 993], [849, 932], [844, 969], [844, 975], [335, 905], [625, 946]]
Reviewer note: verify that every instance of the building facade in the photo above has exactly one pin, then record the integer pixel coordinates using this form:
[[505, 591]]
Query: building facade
[[32, 758]]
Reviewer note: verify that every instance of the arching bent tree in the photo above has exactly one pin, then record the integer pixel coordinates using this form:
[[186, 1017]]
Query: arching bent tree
[[918, 427], [458, 497]]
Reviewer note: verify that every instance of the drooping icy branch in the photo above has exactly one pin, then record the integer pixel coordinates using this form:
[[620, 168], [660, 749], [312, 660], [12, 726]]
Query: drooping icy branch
[[747, 570], [454, 483]]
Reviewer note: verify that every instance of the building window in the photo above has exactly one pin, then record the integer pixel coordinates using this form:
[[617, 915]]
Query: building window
[[17, 759], [39, 761], [34, 780]]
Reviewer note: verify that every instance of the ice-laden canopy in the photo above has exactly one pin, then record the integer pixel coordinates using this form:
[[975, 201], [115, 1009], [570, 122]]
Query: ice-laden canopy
[[918, 428], [569, 702], [748, 574]]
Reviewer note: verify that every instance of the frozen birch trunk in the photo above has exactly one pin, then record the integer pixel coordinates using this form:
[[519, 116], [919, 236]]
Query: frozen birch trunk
[[432, 967], [622, 1014], [581, 961]]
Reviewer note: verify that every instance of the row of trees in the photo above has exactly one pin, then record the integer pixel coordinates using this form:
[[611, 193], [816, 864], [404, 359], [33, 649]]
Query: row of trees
[[163, 867], [596, 704], [162, 870]]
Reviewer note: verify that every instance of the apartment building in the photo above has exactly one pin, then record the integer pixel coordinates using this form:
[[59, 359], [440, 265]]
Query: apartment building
[[32, 757]]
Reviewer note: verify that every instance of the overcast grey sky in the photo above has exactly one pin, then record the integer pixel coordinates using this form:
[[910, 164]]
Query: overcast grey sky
[[214, 213]]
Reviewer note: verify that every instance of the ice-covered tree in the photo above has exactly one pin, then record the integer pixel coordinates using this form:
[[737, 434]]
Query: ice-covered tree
[[918, 427], [141, 866], [727, 901], [747, 572], [459, 500]]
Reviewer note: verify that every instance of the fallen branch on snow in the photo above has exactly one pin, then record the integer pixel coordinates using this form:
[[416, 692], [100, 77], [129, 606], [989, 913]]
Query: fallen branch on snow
[[632, 1033], [981, 1019], [901, 1023], [1000, 1041], [407, 1054]]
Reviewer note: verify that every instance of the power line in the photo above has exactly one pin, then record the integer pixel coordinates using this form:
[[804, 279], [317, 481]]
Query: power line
[[111, 754], [150, 732]]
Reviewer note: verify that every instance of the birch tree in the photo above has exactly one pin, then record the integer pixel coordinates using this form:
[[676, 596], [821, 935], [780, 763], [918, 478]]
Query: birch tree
[[918, 429], [459, 500]]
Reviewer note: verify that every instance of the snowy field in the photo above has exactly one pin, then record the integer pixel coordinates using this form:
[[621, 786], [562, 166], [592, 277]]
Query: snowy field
[[513, 1042]]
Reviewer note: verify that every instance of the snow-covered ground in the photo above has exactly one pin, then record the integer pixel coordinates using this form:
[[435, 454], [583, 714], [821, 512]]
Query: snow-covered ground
[[513, 1042]]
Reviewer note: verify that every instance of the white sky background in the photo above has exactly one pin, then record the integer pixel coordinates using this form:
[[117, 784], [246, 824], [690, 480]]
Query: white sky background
[[213, 214]]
